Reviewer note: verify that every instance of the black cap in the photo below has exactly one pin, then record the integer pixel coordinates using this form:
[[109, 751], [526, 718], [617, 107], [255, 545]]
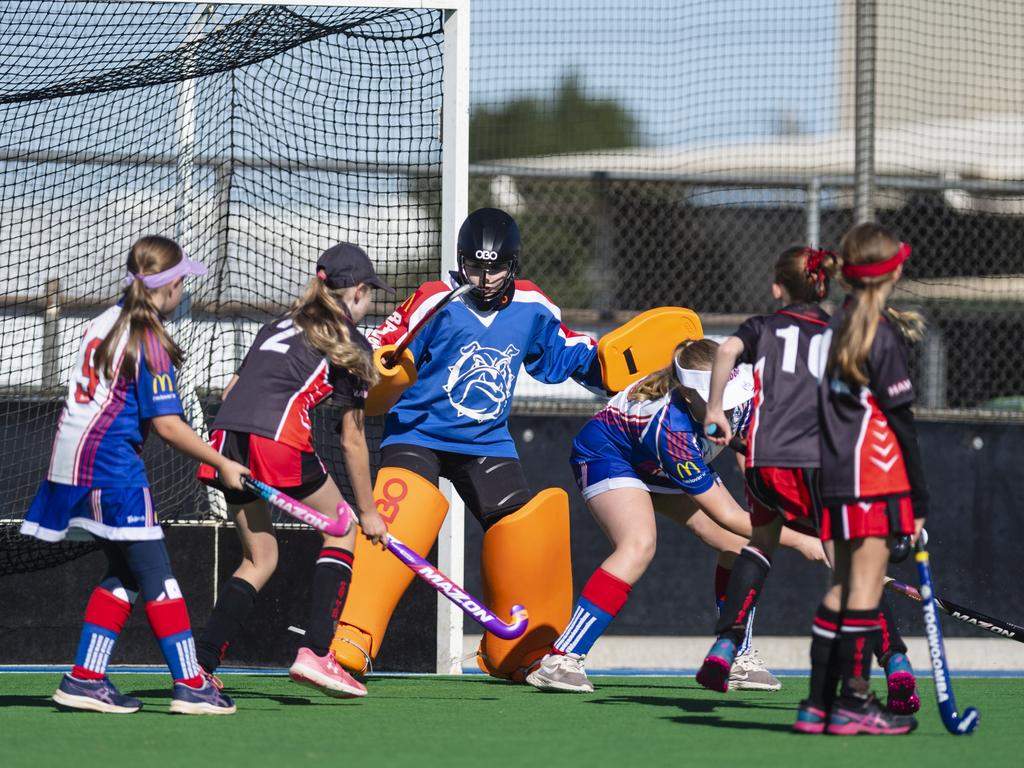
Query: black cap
[[344, 265]]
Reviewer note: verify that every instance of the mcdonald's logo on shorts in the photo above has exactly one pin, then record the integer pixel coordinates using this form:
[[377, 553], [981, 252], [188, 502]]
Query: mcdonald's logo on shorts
[[688, 467], [162, 383]]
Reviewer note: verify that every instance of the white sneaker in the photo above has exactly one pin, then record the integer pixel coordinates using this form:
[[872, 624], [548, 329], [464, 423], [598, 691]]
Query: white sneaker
[[749, 673], [561, 672]]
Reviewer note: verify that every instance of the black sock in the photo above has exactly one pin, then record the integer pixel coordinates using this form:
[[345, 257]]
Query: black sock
[[331, 580], [227, 619], [824, 658], [745, 584], [859, 633], [891, 641]]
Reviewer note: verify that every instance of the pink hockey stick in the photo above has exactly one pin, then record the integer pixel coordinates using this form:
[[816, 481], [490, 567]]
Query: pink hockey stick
[[303, 512]]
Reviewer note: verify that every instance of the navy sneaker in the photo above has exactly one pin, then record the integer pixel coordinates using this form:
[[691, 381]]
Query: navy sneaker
[[94, 696], [208, 700]]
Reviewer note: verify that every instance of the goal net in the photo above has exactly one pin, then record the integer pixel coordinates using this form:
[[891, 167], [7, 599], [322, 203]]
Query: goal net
[[255, 135]]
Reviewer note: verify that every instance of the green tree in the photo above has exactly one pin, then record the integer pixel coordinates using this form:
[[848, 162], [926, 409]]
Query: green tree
[[533, 126]]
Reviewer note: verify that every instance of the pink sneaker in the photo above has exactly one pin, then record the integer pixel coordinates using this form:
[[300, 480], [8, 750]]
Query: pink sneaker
[[324, 674]]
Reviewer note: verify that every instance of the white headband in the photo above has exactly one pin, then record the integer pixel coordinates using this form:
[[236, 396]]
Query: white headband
[[183, 268], [738, 389]]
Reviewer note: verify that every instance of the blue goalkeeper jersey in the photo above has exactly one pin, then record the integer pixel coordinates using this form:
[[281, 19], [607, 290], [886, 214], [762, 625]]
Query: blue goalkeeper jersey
[[468, 361]]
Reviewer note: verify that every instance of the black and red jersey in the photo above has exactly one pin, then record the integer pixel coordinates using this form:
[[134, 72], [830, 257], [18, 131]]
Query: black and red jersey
[[784, 349], [861, 456], [281, 379]]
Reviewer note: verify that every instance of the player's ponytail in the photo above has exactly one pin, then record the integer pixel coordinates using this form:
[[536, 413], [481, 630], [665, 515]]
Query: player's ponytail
[[863, 246], [148, 255], [692, 354], [805, 273], [322, 315]]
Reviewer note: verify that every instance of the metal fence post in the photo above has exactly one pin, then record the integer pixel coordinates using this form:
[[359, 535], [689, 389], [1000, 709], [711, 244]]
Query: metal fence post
[[814, 213], [603, 267], [933, 368], [51, 336], [864, 127]]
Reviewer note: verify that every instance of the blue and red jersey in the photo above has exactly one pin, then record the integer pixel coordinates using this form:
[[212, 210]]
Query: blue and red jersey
[[104, 423], [658, 438], [468, 361]]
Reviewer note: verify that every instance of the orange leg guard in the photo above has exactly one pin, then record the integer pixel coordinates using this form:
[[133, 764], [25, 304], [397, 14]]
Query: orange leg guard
[[526, 559], [414, 509]]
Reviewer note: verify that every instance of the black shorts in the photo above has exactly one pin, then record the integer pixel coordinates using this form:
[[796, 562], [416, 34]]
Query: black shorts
[[294, 472], [492, 487]]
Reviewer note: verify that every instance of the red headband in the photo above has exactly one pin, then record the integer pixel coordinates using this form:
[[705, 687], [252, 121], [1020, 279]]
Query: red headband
[[878, 268]]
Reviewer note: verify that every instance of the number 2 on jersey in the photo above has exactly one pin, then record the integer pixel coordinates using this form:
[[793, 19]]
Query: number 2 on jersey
[[790, 336], [276, 342]]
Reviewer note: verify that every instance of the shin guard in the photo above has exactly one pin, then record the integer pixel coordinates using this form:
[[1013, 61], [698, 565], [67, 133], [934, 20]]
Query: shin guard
[[526, 559], [414, 509]]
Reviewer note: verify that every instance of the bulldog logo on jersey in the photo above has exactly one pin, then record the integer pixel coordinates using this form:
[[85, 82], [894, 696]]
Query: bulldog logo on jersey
[[480, 382]]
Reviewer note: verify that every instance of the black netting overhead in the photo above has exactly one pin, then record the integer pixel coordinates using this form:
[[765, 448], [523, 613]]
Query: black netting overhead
[[257, 136]]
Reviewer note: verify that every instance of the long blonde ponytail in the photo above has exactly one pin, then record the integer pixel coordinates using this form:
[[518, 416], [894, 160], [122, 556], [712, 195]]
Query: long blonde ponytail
[[321, 315], [148, 255], [867, 243]]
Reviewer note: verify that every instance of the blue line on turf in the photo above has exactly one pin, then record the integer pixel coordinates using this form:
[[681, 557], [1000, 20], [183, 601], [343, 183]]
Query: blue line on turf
[[468, 671]]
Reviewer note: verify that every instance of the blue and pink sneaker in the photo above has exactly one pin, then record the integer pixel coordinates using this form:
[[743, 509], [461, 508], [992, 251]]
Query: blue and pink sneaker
[[206, 700], [852, 716], [94, 696], [714, 672], [810, 719], [899, 676]]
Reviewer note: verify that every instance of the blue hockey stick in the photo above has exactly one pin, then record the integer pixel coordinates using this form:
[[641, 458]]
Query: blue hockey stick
[[954, 722]]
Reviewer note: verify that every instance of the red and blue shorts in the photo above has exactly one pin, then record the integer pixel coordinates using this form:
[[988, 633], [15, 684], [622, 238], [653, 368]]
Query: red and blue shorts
[[787, 492], [861, 519], [294, 472]]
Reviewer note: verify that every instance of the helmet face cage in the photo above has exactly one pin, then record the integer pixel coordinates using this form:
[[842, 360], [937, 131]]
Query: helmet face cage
[[489, 242], [487, 268]]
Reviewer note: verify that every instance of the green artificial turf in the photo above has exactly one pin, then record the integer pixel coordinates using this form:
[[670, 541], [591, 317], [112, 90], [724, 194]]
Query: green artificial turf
[[477, 721]]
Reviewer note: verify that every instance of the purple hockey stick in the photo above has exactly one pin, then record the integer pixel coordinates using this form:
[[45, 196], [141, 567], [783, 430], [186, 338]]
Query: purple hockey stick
[[472, 607], [301, 511]]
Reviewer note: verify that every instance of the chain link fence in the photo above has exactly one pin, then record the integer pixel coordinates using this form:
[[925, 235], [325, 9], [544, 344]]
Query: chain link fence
[[746, 128]]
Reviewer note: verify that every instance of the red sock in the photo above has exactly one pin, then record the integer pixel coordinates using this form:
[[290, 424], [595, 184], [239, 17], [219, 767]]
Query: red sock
[[169, 621], [105, 615], [607, 592], [603, 594]]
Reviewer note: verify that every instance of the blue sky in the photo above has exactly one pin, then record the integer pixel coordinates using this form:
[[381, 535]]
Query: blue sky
[[692, 71]]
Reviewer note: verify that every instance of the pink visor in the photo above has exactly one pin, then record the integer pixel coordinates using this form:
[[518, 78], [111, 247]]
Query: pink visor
[[183, 268]]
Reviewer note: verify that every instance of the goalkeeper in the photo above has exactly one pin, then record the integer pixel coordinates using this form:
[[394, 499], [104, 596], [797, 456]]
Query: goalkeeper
[[453, 423]]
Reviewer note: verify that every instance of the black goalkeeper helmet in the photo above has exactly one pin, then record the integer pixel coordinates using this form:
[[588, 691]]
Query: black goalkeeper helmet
[[489, 242]]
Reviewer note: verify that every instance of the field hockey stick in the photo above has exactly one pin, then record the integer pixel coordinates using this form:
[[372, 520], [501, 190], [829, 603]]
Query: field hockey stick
[[303, 512], [472, 607], [392, 360], [967, 615], [954, 722]]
